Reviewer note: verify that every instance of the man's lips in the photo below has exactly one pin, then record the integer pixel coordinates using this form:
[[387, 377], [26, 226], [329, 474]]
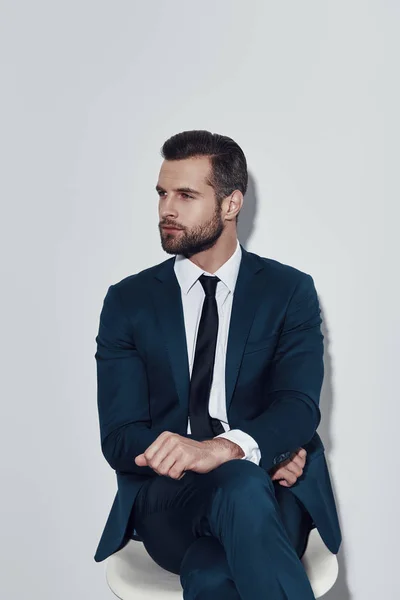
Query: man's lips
[[172, 228]]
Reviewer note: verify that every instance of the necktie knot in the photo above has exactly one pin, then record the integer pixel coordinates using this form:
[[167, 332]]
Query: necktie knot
[[209, 284]]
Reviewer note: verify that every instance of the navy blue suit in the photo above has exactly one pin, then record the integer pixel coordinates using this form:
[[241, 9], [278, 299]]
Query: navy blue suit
[[274, 374]]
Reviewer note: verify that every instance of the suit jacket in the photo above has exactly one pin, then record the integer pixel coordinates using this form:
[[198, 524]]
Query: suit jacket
[[274, 373]]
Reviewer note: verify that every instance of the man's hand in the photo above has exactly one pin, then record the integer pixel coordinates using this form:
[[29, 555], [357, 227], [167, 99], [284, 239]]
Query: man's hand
[[288, 471], [172, 454]]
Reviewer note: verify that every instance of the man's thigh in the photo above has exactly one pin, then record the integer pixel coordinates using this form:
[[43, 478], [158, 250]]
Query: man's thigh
[[167, 513]]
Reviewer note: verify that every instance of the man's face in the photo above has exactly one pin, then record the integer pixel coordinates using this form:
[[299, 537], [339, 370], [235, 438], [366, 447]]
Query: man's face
[[196, 215]]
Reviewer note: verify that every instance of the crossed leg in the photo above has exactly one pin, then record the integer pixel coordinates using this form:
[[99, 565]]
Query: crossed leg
[[230, 533]]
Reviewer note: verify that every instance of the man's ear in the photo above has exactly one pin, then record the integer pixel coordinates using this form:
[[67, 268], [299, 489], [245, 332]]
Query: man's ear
[[232, 205]]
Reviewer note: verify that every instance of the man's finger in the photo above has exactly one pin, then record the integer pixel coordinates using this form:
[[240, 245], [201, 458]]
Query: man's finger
[[301, 452], [283, 473], [299, 461], [294, 468], [160, 450], [279, 473], [290, 477], [159, 444], [140, 460], [164, 465]]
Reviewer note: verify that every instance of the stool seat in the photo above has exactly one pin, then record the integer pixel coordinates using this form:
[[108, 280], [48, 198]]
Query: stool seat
[[132, 574]]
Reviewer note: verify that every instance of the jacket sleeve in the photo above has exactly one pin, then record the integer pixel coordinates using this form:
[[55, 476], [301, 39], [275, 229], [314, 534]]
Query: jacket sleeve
[[122, 391], [295, 381]]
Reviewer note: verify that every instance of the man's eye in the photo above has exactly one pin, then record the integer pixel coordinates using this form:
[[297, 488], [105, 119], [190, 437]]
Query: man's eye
[[182, 194]]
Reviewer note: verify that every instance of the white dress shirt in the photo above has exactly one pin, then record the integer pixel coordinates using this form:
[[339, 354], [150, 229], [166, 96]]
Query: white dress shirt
[[187, 274]]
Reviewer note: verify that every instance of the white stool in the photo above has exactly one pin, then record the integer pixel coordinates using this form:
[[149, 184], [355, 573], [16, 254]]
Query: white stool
[[133, 575]]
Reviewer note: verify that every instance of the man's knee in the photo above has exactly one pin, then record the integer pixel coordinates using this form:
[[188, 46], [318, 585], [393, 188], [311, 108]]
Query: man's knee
[[243, 478]]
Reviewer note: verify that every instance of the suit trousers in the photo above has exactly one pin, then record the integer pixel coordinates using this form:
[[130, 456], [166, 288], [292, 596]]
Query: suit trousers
[[231, 533]]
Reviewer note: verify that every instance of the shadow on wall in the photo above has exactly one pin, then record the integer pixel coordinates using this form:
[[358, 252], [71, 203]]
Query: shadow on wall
[[246, 223]]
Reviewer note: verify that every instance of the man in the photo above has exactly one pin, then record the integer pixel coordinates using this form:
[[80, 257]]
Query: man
[[210, 367]]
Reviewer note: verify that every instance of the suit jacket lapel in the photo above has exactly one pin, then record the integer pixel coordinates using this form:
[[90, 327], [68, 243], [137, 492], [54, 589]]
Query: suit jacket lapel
[[247, 296], [168, 303]]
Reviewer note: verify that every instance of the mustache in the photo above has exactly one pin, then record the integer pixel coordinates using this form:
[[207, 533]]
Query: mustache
[[170, 225]]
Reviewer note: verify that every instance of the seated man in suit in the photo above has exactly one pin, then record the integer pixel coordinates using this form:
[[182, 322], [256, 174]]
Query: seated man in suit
[[210, 367]]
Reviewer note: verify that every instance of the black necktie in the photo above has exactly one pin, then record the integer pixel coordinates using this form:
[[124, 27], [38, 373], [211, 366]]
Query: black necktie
[[201, 424]]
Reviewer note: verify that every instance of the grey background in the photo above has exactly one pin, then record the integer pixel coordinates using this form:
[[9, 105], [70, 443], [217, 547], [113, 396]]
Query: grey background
[[89, 92]]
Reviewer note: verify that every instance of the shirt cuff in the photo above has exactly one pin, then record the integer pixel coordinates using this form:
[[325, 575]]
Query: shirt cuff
[[247, 443]]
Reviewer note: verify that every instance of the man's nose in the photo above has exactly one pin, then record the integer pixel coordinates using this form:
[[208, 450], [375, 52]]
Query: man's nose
[[168, 208]]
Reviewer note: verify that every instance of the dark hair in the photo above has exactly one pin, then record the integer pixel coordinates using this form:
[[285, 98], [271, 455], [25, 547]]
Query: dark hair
[[228, 162]]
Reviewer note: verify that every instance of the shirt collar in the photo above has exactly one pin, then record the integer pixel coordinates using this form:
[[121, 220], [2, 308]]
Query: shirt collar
[[187, 273]]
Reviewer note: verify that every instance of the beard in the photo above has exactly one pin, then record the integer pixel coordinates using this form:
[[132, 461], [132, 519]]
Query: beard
[[199, 238]]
